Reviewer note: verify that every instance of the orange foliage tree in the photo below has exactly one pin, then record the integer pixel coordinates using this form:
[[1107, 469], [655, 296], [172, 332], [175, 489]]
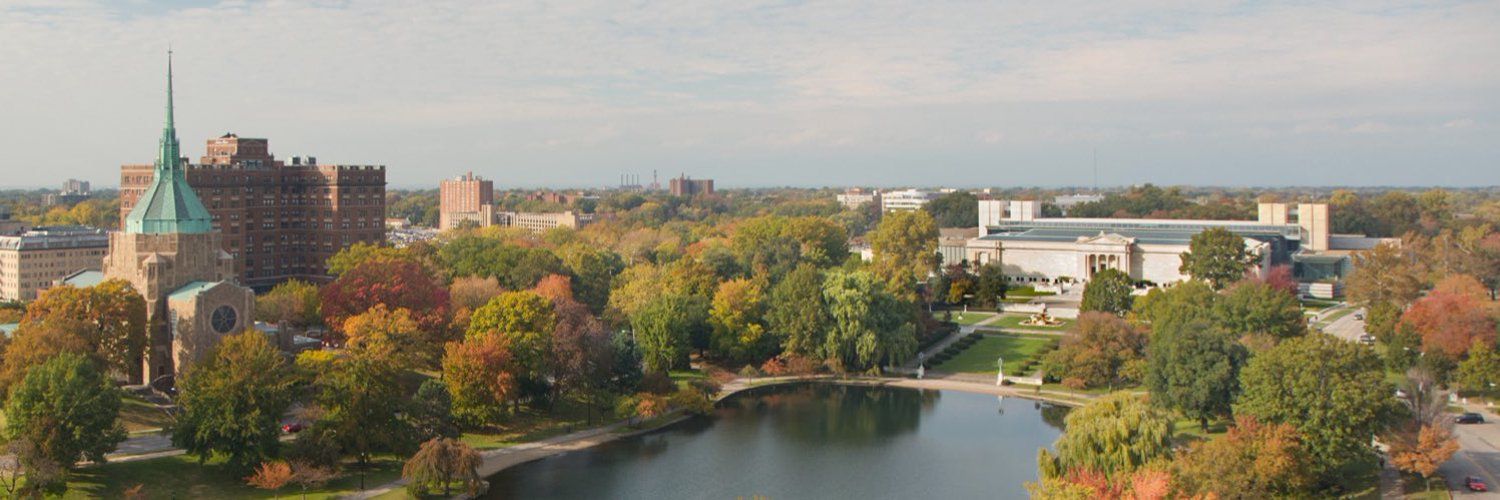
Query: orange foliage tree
[[479, 373], [271, 476], [395, 283], [1456, 313], [1421, 451]]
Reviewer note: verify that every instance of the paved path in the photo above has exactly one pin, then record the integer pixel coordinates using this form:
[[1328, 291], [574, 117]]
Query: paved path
[[963, 331], [1478, 455], [1347, 327]]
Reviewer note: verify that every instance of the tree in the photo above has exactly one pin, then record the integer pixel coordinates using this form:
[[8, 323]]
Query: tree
[[583, 351], [796, 312], [1183, 303], [1451, 318], [955, 209], [68, 409], [643, 283], [1251, 460], [473, 292], [1194, 369], [389, 335], [294, 302], [231, 402], [905, 246], [1217, 256], [36, 342], [526, 320], [1098, 352], [111, 318], [1251, 308], [592, 269], [870, 325], [1112, 435], [554, 287], [960, 284], [439, 463], [990, 287], [398, 284], [1385, 274], [360, 253], [1423, 451], [735, 317], [271, 476], [664, 329], [1334, 392], [42, 475], [1480, 372], [362, 404], [1108, 292], [480, 373]]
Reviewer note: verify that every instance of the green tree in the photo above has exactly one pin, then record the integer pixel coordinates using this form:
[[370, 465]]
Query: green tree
[[1186, 302], [232, 401], [527, 320], [796, 312], [1334, 392], [1194, 369], [956, 209], [870, 325], [432, 411], [592, 269], [1112, 435], [1108, 292], [1480, 372], [68, 409], [905, 246], [363, 407], [352, 256], [664, 329], [294, 302], [1257, 308], [389, 335], [1217, 256], [990, 287]]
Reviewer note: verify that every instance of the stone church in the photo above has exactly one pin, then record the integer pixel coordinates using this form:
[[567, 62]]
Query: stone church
[[170, 252]]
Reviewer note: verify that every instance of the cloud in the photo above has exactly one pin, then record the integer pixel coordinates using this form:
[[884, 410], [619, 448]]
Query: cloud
[[604, 85]]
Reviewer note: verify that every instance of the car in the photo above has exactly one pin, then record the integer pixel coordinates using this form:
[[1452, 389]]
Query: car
[[1367, 339], [1359, 316], [1475, 484], [293, 428], [1469, 418]]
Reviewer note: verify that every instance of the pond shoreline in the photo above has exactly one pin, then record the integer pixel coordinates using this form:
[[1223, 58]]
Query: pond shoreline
[[498, 460]]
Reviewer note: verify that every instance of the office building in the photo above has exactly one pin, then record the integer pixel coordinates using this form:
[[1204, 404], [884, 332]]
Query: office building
[[910, 199], [33, 260]]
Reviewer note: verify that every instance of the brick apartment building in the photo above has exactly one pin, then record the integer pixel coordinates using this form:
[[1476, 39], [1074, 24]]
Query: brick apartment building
[[466, 198], [278, 220], [687, 186]]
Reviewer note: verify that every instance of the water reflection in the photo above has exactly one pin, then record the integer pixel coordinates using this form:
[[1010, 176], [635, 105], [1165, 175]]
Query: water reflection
[[813, 441]]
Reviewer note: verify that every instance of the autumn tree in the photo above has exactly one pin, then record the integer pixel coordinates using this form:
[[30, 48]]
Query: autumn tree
[[905, 246], [1385, 274], [272, 476], [735, 316], [796, 312], [554, 287], [1333, 391], [1194, 368], [1423, 451], [481, 376], [473, 292], [110, 317], [1251, 460], [641, 284], [438, 464], [1254, 308], [526, 320], [389, 335], [1452, 317], [1217, 256], [1112, 435], [363, 406], [68, 409], [293, 302], [1104, 350], [359, 253], [36, 342], [1109, 292], [583, 352], [231, 402], [397, 284]]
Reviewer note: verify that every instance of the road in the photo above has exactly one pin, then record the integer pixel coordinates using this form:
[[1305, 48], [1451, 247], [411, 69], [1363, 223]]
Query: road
[[1478, 455], [1347, 327]]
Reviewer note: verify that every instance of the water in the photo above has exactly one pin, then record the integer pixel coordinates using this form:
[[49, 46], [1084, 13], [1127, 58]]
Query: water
[[814, 441]]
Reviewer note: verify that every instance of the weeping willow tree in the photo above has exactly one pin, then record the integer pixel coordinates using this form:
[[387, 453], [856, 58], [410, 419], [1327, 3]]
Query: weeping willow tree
[[1113, 435], [440, 463]]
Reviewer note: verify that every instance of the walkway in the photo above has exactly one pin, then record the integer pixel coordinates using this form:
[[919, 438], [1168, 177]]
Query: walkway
[[963, 331], [1478, 454]]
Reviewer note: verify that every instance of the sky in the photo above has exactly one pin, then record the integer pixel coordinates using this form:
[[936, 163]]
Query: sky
[[769, 93]]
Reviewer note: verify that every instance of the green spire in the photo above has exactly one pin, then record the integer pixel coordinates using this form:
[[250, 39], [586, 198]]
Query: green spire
[[169, 204]]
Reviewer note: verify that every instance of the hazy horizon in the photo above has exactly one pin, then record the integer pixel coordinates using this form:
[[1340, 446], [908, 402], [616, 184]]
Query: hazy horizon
[[766, 94]]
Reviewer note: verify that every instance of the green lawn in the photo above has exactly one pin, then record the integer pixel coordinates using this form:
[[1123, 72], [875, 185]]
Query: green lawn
[[1013, 321], [141, 416], [1026, 291], [980, 358], [1318, 304], [533, 425], [1187, 429], [182, 477], [1328, 319], [964, 318]]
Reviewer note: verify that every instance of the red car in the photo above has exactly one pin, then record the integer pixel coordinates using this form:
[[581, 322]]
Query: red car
[[1475, 484], [292, 428]]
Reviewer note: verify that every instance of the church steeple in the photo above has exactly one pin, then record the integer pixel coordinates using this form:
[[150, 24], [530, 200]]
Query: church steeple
[[169, 204]]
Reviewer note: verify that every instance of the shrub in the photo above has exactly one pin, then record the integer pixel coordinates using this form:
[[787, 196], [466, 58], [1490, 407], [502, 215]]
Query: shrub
[[657, 383], [749, 372]]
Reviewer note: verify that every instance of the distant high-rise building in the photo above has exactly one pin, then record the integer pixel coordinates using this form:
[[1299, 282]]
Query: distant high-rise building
[[910, 199], [467, 198], [279, 220], [75, 186], [855, 197], [685, 186], [34, 259], [73, 191]]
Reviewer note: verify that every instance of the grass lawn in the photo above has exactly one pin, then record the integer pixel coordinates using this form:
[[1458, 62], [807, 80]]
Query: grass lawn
[[1026, 291], [182, 477], [1335, 316], [1433, 488], [139, 416], [1187, 429], [980, 358], [534, 425], [1013, 321], [1318, 304], [963, 318]]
